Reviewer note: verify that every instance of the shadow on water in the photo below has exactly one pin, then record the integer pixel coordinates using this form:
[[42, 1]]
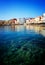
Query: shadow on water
[[22, 45]]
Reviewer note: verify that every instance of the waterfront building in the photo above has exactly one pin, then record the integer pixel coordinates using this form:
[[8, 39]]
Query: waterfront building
[[44, 18], [21, 20], [13, 21], [39, 19], [27, 21], [36, 19], [32, 20]]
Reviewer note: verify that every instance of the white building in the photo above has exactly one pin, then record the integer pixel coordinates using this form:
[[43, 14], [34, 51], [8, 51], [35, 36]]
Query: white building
[[21, 20], [27, 21], [44, 18]]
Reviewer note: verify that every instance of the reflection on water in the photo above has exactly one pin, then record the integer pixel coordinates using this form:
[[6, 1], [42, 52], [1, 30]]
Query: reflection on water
[[21, 28], [18, 28], [24, 42], [37, 29]]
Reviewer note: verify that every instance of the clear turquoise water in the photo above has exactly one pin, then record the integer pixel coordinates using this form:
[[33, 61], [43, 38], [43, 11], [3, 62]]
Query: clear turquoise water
[[22, 45]]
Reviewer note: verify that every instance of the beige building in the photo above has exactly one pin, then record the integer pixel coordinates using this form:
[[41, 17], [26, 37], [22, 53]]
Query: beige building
[[27, 21], [39, 19], [36, 19], [30, 21]]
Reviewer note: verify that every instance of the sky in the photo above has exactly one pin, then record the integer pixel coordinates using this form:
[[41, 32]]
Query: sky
[[21, 8]]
